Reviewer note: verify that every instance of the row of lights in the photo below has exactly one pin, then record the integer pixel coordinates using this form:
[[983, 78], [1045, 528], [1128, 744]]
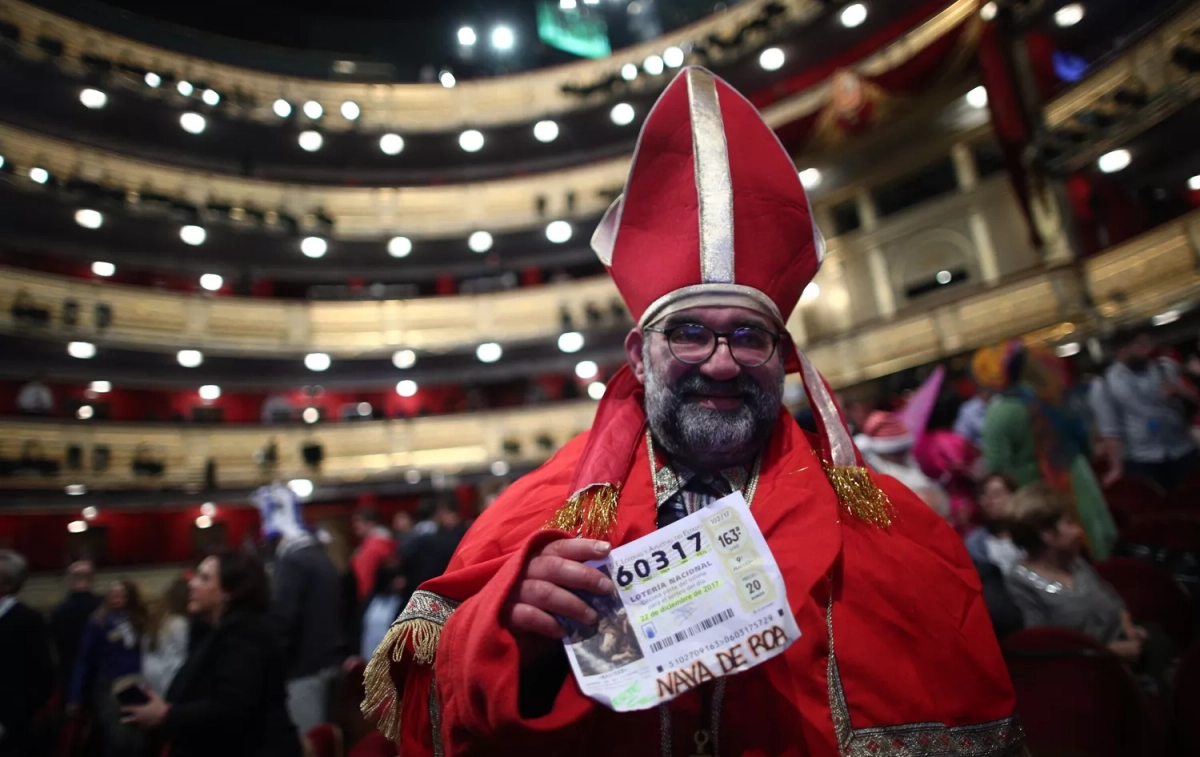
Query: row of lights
[[1067, 16], [558, 232], [208, 511]]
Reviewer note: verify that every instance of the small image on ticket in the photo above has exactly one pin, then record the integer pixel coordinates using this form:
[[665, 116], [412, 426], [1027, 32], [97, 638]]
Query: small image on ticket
[[607, 644]]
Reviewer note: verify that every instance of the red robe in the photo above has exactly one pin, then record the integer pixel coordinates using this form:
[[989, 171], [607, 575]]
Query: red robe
[[916, 668]]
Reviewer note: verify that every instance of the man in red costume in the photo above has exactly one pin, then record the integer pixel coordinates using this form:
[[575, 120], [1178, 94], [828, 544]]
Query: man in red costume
[[710, 245]]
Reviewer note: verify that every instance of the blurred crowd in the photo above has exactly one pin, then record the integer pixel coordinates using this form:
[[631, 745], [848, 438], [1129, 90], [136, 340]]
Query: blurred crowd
[[241, 655]]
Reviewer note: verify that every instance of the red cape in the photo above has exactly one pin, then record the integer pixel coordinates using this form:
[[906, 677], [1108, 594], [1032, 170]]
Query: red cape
[[896, 657]]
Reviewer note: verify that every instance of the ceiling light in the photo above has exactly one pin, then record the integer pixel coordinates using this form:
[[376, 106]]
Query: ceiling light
[[100, 268], [502, 38], [412, 476], [466, 36], [653, 65], [391, 144], [192, 123], [566, 5], [558, 231], [595, 390], [77, 526], [88, 218], [81, 350], [621, 114], [209, 509], [100, 387], [185, 88], [853, 15], [76, 490], [406, 388], [1069, 15], [93, 98], [193, 235], [301, 487], [629, 72], [282, 108], [501, 467], [311, 141], [211, 281], [1111, 162], [1067, 350], [447, 79], [313, 247], [404, 359], [317, 361], [313, 109], [399, 247], [351, 111], [489, 352], [810, 178], [364, 409], [988, 11], [1194, 183], [944, 277], [190, 358], [311, 415], [977, 97], [811, 292], [203, 521], [152, 79], [211, 97], [545, 131], [673, 57], [570, 341], [84, 412], [479, 241], [39, 175], [1165, 317], [210, 392], [771, 59], [89, 512], [587, 369], [470, 140]]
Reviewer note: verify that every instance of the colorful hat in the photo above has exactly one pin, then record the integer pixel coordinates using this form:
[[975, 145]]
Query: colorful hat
[[885, 434], [712, 214]]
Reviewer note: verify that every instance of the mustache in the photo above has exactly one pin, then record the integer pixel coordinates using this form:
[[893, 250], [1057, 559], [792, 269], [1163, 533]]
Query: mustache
[[697, 383]]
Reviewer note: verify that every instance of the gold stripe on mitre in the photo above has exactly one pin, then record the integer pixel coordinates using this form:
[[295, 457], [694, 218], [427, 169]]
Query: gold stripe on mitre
[[714, 184]]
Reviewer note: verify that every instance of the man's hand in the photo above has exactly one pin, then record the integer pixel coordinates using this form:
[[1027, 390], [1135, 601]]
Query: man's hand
[[148, 715], [543, 589]]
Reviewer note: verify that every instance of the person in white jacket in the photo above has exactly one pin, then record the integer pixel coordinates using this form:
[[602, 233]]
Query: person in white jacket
[[886, 445], [165, 644]]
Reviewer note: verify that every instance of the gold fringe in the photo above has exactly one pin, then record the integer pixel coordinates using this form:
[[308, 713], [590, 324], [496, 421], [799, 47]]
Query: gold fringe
[[859, 495], [591, 513], [382, 702]]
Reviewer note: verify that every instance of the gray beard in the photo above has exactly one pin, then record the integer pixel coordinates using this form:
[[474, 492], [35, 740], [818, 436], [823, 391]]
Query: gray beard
[[704, 438]]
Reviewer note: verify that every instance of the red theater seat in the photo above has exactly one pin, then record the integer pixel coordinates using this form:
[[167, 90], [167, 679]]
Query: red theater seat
[[1076, 698], [1152, 595], [374, 744]]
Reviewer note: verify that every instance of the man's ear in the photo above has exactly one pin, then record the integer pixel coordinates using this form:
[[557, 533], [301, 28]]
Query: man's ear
[[635, 340]]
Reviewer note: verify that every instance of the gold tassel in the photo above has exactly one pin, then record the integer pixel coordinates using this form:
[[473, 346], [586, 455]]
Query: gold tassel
[[382, 702], [859, 495], [591, 513]]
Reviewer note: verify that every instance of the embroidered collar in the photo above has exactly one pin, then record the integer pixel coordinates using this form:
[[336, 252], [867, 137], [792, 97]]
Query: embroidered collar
[[671, 478]]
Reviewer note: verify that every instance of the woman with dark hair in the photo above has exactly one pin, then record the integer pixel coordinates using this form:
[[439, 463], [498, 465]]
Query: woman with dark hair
[[990, 541], [165, 645], [110, 658], [229, 698]]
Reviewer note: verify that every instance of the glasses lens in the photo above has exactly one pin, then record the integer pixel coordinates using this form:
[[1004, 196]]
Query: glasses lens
[[751, 346], [692, 343]]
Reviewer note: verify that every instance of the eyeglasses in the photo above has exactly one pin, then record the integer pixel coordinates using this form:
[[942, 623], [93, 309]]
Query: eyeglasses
[[693, 343]]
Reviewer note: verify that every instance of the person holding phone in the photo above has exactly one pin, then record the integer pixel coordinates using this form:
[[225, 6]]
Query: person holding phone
[[229, 698]]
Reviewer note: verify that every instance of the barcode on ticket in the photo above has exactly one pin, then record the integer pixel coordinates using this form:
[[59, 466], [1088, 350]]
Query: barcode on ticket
[[704, 625]]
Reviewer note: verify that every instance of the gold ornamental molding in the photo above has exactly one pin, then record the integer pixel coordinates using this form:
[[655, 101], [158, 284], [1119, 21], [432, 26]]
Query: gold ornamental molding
[[409, 108]]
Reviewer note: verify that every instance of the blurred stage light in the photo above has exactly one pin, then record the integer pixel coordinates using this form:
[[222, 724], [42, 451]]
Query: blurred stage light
[[39, 175], [282, 108], [391, 144], [313, 247], [313, 109], [103, 269], [479, 241], [988, 11], [810, 178], [88, 218], [1194, 183], [193, 123], [853, 15], [399, 247], [209, 509], [977, 97], [203, 521], [466, 36], [673, 57], [311, 141], [502, 38], [570, 341], [100, 387], [210, 392], [76, 526], [351, 111], [404, 359], [193, 235], [412, 476], [545, 131], [89, 513], [447, 79], [211, 281], [152, 79], [489, 352], [185, 88], [653, 65], [567, 5], [1069, 15], [317, 361], [470, 140], [211, 97], [771, 59], [406, 388], [1068, 349], [311, 415], [190, 358], [81, 350], [811, 292], [301, 487], [944, 277], [629, 72], [85, 412], [586, 369], [558, 231], [621, 114], [93, 99], [595, 390], [1111, 162]]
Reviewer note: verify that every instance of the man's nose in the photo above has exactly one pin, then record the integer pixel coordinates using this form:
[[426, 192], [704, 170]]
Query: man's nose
[[721, 366]]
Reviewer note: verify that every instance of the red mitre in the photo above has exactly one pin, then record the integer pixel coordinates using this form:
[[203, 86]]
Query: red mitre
[[713, 213]]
